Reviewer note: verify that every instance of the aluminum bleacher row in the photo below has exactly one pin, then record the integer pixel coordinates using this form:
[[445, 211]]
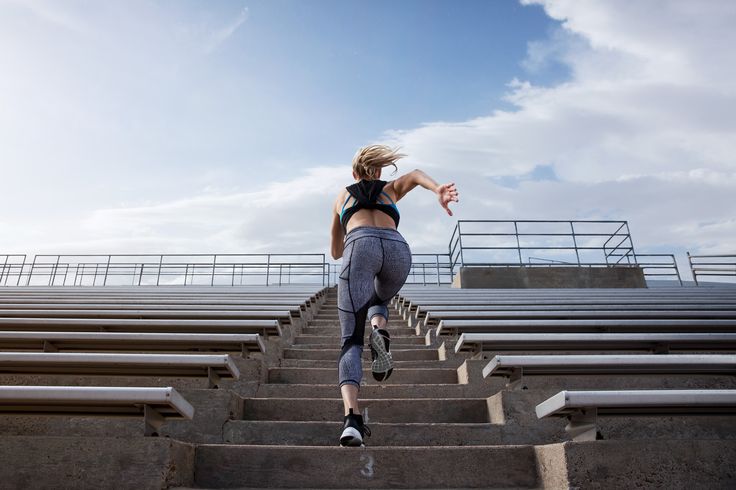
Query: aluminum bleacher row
[[625, 334], [107, 333]]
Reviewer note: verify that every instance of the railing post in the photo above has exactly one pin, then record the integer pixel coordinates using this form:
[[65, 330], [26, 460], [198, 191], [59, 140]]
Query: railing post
[[268, 266], [518, 243], [52, 276], [280, 269], [460, 243], [437, 261], [214, 262], [107, 270], [140, 277], [575, 242], [692, 269], [160, 265], [677, 269], [631, 242]]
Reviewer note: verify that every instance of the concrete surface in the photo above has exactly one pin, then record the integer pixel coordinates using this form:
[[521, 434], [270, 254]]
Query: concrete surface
[[549, 277]]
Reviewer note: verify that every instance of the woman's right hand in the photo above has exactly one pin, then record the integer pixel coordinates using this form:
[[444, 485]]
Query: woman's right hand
[[447, 193]]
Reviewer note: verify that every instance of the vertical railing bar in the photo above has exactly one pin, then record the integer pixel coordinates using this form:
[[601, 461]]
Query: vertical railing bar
[[437, 262], [107, 270], [52, 276], [575, 242], [268, 266], [160, 266], [214, 261]]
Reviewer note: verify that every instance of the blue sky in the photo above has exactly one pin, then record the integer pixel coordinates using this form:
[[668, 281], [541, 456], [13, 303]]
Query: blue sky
[[228, 126]]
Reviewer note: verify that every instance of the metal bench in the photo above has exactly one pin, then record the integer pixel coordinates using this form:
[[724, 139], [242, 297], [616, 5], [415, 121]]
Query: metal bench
[[454, 327], [515, 367], [583, 407], [128, 341], [155, 404], [656, 342], [263, 327], [622, 312], [212, 366]]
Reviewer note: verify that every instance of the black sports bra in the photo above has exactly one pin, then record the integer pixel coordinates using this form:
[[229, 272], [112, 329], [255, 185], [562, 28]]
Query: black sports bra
[[367, 194]]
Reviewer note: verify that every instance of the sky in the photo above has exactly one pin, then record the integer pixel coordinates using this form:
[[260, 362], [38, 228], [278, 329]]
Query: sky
[[229, 126]]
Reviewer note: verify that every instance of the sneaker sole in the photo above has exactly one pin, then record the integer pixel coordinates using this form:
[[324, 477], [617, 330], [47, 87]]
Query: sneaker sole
[[384, 363], [351, 438]]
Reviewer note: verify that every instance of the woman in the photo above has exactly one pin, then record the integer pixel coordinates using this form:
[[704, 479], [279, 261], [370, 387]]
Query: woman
[[376, 262]]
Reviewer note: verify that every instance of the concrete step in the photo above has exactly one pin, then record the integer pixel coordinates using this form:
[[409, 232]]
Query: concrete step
[[332, 354], [335, 323], [248, 466], [321, 346], [289, 433], [398, 365], [282, 390], [335, 330], [333, 339], [407, 410], [326, 376]]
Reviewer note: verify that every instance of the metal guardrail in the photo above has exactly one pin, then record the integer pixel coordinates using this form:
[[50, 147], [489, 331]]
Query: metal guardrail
[[166, 269], [712, 265], [505, 243], [490, 243], [426, 269], [11, 263]]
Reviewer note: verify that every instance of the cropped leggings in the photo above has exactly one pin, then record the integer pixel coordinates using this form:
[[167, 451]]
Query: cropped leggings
[[375, 264]]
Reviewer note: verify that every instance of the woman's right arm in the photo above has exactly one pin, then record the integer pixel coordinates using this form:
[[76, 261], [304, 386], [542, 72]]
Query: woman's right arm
[[337, 234], [445, 192]]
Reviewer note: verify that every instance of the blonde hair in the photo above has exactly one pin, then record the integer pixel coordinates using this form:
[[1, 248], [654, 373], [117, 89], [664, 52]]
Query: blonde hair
[[370, 159]]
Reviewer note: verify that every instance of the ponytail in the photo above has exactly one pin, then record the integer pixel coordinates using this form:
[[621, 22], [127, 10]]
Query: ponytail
[[370, 159]]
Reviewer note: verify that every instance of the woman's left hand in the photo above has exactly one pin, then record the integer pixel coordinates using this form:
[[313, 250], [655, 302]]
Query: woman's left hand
[[446, 194]]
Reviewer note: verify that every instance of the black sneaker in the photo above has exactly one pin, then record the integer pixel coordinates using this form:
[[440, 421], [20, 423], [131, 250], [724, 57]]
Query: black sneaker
[[383, 363], [353, 431]]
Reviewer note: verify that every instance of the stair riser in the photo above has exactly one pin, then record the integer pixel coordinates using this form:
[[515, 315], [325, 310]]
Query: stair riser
[[335, 339], [327, 376], [369, 391], [254, 466], [395, 411], [398, 365], [333, 354], [335, 330], [382, 434]]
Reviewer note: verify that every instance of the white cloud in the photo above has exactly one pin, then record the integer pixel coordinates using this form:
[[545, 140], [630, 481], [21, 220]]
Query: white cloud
[[644, 130]]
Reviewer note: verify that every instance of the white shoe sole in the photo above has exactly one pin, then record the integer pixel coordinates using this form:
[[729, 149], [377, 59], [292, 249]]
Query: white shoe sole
[[384, 362], [351, 438]]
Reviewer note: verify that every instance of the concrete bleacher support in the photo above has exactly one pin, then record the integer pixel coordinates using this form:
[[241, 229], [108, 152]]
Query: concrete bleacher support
[[95, 462], [469, 277]]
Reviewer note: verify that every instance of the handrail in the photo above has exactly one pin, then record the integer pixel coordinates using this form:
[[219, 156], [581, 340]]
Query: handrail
[[170, 269], [723, 266], [8, 267], [542, 239]]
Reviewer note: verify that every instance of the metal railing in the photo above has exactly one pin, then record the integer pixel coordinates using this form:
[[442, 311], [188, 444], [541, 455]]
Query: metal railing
[[426, 269], [659, 265], [505, 243], [168, 269], [10, 269], [712, 265]]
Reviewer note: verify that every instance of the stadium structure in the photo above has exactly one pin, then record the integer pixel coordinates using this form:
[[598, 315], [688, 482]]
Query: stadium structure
[[530, 354]]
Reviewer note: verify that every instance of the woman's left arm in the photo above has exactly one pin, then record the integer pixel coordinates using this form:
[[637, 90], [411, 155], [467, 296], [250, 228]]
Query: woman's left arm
[[338, 236]]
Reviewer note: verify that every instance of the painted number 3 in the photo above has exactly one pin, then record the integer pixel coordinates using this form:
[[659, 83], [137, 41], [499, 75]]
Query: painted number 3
[[367, 470]]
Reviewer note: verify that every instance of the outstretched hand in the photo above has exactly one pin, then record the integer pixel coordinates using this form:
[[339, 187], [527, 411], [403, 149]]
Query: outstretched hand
[[447, 193]]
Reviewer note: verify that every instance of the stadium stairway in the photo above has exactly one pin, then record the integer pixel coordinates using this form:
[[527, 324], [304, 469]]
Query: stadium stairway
[[429, 430]]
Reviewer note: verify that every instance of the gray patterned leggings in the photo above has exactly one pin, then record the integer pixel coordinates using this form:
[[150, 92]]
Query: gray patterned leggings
[[375, 264]]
